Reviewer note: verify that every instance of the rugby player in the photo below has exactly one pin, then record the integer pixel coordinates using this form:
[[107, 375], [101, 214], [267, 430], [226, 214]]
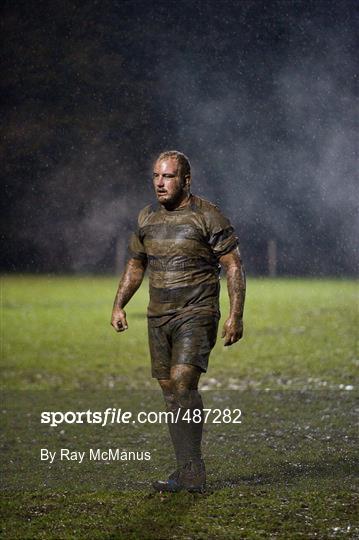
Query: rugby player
[[184, 240]]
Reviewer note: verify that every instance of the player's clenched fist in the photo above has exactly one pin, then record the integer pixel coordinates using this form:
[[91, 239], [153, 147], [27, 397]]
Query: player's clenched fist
[[118, 319], [232, 331]]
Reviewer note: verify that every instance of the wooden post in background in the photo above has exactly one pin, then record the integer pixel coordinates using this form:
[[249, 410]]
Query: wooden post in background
[[272, 258]]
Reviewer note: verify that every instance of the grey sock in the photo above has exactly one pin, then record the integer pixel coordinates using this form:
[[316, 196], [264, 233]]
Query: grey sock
[[187, 435]]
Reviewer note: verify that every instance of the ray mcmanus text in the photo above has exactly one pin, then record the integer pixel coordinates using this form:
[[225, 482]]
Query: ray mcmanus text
[[93, 454]]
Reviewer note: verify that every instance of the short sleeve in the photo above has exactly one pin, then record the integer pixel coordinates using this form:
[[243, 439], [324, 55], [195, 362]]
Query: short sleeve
[[222, 238], [136, 249]]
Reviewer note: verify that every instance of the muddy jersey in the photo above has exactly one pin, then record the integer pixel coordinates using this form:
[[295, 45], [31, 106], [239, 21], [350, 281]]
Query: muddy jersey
[[182, 248]]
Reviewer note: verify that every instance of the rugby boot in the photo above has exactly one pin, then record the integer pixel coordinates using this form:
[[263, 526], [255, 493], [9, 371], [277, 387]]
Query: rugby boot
[[171, 484], [190, 477]]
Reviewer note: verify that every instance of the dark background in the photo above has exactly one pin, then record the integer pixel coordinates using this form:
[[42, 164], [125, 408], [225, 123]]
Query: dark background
[[259, 94]]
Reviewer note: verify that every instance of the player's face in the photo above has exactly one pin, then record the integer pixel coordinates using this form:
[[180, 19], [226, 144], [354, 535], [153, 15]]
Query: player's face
[[168, 184]]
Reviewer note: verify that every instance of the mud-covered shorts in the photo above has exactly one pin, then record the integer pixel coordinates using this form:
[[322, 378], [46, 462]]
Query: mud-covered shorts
[[185, 340]]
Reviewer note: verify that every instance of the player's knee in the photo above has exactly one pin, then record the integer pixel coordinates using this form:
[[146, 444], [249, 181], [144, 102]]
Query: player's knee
[[187, 397], [184, 380], [166, 385], [168, 394], [181, 392]]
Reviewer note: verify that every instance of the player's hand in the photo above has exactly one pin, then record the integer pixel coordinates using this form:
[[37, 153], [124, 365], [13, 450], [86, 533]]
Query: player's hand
[[118, 319], [232, 331]]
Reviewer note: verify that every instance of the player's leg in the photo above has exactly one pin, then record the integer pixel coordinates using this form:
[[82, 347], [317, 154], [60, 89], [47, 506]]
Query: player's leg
[[185, 378], [182, 398], [160, 350], [193, 338], [167, 391], [189, 341], [181, 392], [171, 406]]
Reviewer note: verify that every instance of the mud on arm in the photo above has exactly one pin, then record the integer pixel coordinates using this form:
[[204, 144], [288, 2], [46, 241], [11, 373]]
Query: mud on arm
[[236, 285], [130, 281]]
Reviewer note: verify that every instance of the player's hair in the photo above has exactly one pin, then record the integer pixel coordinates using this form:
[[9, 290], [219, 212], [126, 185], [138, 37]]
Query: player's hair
[[183, 161]]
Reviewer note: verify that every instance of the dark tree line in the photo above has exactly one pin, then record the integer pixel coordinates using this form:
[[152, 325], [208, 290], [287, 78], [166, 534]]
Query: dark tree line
[[259, 95]]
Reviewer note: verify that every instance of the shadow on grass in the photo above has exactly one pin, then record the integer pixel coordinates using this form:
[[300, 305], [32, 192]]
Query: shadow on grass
[[289, 473], [158, 516]]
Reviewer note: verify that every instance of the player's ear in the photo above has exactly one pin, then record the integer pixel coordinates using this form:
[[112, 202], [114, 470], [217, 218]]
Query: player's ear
[[187, 180]]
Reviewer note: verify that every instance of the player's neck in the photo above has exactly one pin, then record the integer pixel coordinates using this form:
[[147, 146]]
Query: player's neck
[[184, 201]]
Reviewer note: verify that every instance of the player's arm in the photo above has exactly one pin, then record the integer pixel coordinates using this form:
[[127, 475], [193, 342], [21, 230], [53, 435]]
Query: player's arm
[[130, 281], [236, 284]]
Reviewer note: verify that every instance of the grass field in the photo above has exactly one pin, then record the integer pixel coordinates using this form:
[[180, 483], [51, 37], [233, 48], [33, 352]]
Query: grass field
[[288, 470]]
